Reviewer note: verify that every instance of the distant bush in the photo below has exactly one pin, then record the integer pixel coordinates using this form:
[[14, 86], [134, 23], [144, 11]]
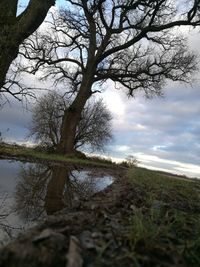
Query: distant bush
[[129, 162]]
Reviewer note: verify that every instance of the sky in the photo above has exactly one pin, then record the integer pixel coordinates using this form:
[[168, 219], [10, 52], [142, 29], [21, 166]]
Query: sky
[[162, 133]]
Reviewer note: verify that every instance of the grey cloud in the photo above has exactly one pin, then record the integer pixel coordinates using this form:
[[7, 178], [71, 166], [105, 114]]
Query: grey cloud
[[15, 118], [171, 124]]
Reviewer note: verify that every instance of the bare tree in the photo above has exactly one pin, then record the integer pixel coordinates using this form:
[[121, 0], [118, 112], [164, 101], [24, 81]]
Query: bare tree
[[31, 190], [135, 44], [13, 30], [94, 127], [46, 119], [130, 162]]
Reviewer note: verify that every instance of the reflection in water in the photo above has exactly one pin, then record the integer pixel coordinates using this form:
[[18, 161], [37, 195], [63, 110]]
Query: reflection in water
[[45, 190], [55, 190], [30, 191], [41, 190], [8, 226]]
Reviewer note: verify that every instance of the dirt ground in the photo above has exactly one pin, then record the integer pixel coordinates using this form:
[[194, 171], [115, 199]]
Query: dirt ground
[[75, 237]]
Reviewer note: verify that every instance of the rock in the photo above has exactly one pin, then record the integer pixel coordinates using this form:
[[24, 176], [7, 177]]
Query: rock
[[45, 249], [45, 234], [74, 253], [96, 235], [87, 240]]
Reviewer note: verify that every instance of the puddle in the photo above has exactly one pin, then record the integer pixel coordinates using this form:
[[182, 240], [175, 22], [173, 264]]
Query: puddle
[[29, 192]]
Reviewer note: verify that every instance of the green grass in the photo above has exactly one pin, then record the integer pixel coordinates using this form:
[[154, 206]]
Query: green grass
[[12, 150], [165, 221]]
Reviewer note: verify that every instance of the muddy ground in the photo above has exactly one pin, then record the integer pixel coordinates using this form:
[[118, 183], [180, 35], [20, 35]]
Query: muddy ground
[[75, 237]]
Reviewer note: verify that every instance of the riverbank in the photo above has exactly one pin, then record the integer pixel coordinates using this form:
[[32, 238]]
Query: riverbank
[[143, 219], [31, 154]]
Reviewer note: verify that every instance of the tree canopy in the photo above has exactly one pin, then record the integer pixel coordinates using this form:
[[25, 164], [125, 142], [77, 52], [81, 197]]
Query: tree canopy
[[135, 44]]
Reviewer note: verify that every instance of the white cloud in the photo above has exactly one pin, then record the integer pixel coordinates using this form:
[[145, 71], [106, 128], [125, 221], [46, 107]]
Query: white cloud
[[168, 165], [114, 102], [122, 148], [156, 148]]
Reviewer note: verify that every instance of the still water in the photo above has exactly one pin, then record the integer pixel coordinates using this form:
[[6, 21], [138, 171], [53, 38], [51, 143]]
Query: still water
[[29, 192]]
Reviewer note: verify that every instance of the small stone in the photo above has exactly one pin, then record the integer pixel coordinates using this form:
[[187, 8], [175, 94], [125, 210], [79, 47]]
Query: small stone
[[96, 235], [132, 207], [45, 234], [55, 237], [74, 253], [87, 240]]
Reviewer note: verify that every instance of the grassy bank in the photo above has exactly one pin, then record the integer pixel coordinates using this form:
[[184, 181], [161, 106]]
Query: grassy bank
[[164, 227], [28, 153], [156, 222]]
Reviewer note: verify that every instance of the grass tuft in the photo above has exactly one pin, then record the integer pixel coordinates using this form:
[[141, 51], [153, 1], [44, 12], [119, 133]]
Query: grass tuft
[[165, 223]]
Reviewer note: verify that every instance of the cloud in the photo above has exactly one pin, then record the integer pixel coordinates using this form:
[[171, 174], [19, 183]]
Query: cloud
[[167, 128], [122, 148], [14, 121], [177, 167]]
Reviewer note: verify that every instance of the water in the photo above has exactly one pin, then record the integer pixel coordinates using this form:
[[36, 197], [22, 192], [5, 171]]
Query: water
[[29, 192]]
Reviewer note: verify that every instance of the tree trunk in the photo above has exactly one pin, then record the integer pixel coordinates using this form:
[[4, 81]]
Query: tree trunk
[[5, 62], [8, 49], [8, 52], [14, 29], [72, 117]]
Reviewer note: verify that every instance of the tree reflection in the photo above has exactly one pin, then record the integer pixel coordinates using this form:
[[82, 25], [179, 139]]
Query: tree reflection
[[7, 230], [54, 199], [30, 191], [45, 190]]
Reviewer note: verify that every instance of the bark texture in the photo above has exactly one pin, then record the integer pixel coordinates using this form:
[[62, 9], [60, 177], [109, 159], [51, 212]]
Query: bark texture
[[72, 116]]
